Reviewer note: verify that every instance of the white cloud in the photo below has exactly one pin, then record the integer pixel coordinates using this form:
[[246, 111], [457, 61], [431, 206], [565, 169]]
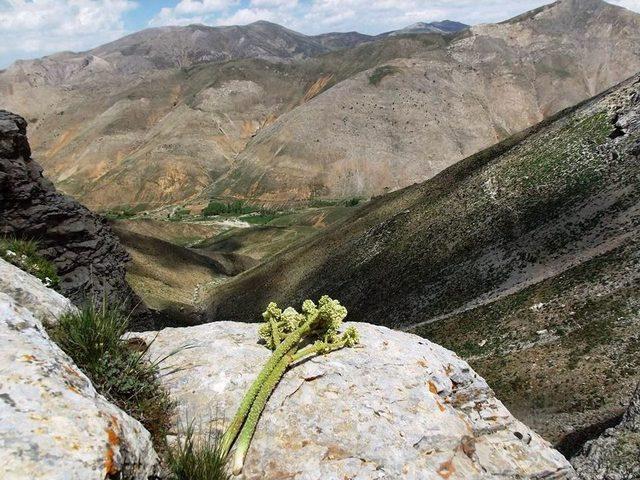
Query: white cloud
[[37, 27], [192, 11]]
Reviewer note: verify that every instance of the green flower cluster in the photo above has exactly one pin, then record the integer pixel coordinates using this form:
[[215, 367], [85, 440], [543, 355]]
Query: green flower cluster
[[292, 336]]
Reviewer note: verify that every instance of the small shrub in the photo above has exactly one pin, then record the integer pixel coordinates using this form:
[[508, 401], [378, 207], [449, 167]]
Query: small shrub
[[198, 457], [179, 214], [381, 72], [120, 213], [92, 337], [352, 202], [24, 255]]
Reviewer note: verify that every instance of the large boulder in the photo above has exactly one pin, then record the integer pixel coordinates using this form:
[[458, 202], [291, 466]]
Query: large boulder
[[615, 455], [396, 407], [55, 426], [88, 256]]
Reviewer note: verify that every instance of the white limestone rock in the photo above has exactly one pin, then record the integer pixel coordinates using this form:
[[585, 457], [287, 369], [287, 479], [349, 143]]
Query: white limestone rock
[[29, 292], [53, 423], [396, 407]]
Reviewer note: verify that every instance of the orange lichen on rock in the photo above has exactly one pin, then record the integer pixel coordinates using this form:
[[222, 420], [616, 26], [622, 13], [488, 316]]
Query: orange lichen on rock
[[113, 442], [446, 469]]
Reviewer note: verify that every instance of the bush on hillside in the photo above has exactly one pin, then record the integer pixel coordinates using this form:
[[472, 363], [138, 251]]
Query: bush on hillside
[[379, 73]]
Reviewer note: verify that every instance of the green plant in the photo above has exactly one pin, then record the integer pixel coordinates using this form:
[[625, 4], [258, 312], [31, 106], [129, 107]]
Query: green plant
[[121, 213], [197, 457], [179, 214], [24, 255], [352, 202], [379, 73], [237, 207], [292, 336], [92, 337]]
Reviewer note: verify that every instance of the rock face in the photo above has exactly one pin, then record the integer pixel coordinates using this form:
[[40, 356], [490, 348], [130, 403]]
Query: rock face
[[87, 255], [54, 425], [396, 407], [616, 454]]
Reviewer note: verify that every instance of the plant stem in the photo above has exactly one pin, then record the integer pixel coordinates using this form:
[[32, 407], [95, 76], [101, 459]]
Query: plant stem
[[291, 341], [249, 428]]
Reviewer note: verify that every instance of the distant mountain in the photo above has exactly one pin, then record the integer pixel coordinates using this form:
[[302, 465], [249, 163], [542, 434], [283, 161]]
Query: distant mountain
[[338, 40], [445, 26], [524, 259], [406, 120], [175, 114]]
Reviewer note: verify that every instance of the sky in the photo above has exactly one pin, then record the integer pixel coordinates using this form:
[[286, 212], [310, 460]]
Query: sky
[[34, 28]]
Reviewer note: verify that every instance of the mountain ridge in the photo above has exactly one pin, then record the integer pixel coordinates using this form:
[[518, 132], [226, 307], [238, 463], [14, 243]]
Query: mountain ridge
[[353, 121]]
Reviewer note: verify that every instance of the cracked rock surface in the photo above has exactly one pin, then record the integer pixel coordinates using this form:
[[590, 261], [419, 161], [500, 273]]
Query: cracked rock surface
[[395, 407], [55, 426], [615, 455]]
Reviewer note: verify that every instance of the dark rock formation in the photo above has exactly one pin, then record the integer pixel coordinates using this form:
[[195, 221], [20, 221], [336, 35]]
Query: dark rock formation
[[616, 454], [88, 256]]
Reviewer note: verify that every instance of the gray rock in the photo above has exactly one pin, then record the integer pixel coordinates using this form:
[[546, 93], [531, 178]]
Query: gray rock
[[55, 426], [615, 455], [88, 256], [396, 407], [29, 292]]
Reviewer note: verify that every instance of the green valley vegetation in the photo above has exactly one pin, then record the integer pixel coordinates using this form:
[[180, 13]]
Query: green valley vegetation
[[24, 255], [293, 337], [238, 207]]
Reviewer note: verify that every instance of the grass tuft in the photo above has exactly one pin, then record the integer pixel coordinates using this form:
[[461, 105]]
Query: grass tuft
[[92, 337], [197, 457], [24, 255]]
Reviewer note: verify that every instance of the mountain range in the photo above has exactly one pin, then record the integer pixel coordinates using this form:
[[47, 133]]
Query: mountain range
[[180, 114]]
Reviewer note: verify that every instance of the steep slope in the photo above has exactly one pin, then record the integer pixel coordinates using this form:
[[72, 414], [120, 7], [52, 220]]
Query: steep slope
[[405, 120], [523, 258], [89, 259], [165, 137]]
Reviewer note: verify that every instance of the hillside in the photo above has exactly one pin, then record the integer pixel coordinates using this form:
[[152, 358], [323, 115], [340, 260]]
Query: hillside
[[175, 114], [522, 258], [407, 119]]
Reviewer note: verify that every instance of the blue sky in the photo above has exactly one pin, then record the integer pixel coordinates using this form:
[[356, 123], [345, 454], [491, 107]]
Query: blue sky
[[33, 28]]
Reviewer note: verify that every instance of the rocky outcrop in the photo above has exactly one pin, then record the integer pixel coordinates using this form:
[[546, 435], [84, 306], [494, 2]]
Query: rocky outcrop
[[88, 257], [55, 426], [397, 406], [615, 455]]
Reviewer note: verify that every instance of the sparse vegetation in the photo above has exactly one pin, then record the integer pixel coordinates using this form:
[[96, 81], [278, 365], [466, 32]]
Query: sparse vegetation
[[379, 73], [197, 456], [319, 203], [92, 337], [24, 255], [179, 214], [123, 212]]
